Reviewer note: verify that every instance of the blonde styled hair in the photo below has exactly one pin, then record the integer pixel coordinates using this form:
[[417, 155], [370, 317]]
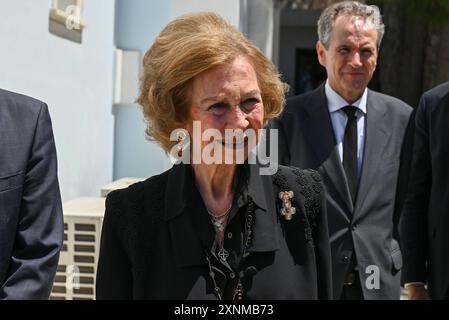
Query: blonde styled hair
[[186, 47]]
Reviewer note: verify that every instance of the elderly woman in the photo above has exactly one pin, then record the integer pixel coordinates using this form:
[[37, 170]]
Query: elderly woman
[[213, 227]]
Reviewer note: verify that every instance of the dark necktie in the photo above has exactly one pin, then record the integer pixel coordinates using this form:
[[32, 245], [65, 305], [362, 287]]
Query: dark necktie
[[350, 151]]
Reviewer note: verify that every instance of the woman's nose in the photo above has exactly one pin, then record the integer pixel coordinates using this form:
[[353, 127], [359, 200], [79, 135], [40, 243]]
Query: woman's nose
[[237, 119]]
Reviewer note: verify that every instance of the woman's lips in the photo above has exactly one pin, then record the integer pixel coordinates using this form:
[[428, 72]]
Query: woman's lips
[[234, 142]]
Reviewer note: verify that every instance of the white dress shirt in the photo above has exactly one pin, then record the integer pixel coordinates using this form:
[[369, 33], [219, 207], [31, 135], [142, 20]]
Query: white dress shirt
[[339, 119]]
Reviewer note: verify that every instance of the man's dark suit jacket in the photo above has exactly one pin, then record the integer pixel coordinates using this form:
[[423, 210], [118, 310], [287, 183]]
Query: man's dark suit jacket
[[425, 217], [31, 226], [306, 140]]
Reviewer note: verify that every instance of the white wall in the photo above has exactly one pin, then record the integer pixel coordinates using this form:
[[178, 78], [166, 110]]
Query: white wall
[[228, 9], [76, 81]]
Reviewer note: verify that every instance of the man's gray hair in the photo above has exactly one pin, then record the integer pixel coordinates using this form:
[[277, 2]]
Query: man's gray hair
[[349, 9]]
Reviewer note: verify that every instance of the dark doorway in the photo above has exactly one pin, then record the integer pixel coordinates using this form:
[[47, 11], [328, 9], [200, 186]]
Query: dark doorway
[[309, 74]]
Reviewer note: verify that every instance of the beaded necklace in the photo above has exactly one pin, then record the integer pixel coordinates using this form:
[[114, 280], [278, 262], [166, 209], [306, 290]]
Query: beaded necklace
[[248, 236], [219, 222]]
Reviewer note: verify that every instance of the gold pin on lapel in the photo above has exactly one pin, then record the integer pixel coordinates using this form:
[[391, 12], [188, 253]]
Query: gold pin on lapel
[[287, 210]]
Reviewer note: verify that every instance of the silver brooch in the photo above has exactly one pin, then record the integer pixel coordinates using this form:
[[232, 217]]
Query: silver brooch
[[287, 209]]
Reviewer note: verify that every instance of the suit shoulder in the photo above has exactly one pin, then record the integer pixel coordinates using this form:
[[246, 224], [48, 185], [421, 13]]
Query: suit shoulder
[[437, 96], [309, 181], [394, 105], [440, 91], [130, 200], [306, 183], [17, 100], [295, 103], [307, 175]]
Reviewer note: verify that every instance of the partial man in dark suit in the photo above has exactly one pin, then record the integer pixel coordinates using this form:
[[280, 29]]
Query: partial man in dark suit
[[31, 224], [425, 217], [353, 136]]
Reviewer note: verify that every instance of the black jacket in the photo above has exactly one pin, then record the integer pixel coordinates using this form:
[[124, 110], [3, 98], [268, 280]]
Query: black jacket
[[157, 233], [425, 217]]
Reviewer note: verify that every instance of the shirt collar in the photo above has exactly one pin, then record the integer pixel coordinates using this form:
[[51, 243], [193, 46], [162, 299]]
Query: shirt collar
[[335, 102], [181, 191], [176, 198], [260, 190], [254, 189]]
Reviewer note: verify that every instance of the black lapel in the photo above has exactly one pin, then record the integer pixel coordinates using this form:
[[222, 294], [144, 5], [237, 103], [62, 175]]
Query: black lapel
[[377, 136], [260, 189], [190, 229], [320, 135]]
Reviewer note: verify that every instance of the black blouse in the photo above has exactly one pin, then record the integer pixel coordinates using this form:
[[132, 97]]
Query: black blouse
[[158, 241]]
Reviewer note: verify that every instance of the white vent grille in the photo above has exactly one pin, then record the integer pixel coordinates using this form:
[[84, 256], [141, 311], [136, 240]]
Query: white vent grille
[[77, 268], [75, 277], [118, 184]]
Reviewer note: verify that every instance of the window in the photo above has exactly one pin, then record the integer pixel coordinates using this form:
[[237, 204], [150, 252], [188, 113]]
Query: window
[[66, 19]]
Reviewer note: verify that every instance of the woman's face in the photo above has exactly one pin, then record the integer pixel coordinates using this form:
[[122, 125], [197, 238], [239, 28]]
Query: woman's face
[[226, 98]]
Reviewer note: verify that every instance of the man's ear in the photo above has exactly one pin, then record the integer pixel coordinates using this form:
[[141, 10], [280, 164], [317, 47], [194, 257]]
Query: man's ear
[[321, 53]]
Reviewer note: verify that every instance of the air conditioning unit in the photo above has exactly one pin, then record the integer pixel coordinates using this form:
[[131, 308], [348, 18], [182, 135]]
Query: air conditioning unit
[[118, 184], [77, 267]]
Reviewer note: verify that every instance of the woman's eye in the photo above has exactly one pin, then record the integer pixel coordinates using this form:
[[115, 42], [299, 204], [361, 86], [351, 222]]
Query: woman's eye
[[218, 108], [249, 104]]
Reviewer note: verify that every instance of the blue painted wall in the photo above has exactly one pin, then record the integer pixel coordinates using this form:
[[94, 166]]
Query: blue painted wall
[[74, 79], [137, 24]]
